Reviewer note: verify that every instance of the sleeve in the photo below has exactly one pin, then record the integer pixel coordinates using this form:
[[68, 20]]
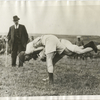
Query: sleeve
[[26, 34], [9, 34]]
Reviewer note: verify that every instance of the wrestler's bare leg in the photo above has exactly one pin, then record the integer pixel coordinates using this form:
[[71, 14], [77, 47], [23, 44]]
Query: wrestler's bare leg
[[87, 48], [82, 51]]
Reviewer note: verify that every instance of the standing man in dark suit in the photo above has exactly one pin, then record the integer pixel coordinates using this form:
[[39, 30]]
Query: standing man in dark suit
[[17, 40]]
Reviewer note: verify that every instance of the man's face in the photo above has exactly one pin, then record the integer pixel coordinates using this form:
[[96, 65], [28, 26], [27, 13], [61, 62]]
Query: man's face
[[78, 39], [16, 22]]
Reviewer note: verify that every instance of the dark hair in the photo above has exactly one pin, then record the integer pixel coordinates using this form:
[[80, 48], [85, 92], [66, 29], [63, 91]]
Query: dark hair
[[22, 56]]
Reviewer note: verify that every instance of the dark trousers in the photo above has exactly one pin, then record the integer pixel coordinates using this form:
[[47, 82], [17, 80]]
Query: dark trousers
[[17, 48]]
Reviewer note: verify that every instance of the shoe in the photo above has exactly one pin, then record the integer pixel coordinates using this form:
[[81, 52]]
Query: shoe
[[94, 47], [20, 66], [13, 65]]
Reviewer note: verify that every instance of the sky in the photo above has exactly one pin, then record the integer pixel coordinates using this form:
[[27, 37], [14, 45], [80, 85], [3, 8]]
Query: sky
[[52, 17]]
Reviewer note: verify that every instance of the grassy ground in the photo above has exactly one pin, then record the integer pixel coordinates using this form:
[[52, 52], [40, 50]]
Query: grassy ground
[[71, 77]]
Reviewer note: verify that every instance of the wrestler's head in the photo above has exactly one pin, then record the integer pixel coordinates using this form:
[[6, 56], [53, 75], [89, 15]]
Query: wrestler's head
[[22, 56], [26, 57]]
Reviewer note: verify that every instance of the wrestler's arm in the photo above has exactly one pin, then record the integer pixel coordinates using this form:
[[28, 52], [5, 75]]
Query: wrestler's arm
[[38, 49], [33, 49]]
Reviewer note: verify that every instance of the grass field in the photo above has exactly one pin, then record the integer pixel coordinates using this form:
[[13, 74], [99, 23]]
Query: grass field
[[71, 77]]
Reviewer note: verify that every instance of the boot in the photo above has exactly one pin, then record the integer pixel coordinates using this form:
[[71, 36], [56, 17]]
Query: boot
[[51, 78], [92, 45]]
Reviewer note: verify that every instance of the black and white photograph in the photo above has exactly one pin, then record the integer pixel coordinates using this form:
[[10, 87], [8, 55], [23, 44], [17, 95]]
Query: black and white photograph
[[49, 48]]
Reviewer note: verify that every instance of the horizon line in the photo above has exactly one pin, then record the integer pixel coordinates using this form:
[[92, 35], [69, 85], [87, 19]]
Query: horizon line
[[5, 33]]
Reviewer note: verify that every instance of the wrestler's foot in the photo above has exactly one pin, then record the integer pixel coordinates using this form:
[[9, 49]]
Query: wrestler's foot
[[50, 78], [94, 47]]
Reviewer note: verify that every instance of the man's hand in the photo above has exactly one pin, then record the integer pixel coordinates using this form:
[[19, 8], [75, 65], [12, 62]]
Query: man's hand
[[6, 39]]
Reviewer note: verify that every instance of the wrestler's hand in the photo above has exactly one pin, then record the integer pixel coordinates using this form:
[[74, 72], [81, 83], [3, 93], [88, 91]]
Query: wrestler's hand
[[42, 55]]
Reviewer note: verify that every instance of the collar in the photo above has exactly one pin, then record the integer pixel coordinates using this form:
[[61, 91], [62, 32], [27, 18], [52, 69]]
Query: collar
[[16, 27]]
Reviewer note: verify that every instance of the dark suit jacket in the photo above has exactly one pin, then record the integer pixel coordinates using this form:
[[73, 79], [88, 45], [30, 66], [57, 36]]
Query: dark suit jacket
[[23, 34]]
